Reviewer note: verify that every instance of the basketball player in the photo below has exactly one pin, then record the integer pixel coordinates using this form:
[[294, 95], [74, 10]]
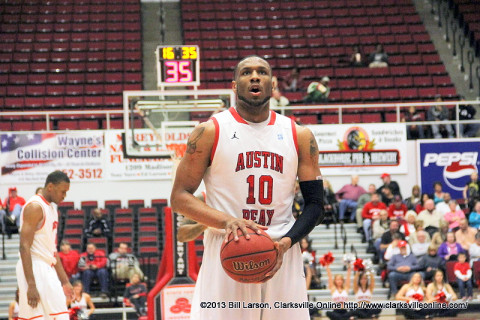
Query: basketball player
[[249, 158], [40, 274]]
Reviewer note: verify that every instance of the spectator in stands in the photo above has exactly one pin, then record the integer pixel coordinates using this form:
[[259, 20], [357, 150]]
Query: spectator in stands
[[401, 267], [298, 202], [82, 301], [467, 112], [439, 113], [444, 206], [437, 286], [387, 196], [430, 217], [412, 201], [318, 92], [421, 206], [348, 196], [414, 131], [93, 264], [454, 216], [380, 226], [3, 214], [339, 288], [136, 294], [474, 217], [464, 276], [430, 263], [397, 209], [98, 226], [438, 192], [387, 182], [474, 250], [308, 254], [371, 211], [330, 203], [356, 59], [69, 258], [465, 235], [408, 225], [124, 264], [13, 205], [418, 227], [471, 192], [293, 81], [420, 248], [440, 236], [278, 100], [450, 249], [378, 58], [361, 202], [387, 238], [394, 247], [39, 190]]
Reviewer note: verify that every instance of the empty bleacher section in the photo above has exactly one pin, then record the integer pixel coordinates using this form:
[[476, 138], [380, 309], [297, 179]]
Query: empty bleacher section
[[467, 12], [318, 37], [68, 55]]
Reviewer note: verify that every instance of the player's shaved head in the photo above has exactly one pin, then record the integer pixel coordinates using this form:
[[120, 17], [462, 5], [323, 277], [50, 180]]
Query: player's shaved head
[[237, 67]]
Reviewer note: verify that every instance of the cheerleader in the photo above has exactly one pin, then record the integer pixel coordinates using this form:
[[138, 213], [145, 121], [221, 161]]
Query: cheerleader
[[13, 309], [410, 292], [363, 286], [338, 287], [442, 292], [82, 301]]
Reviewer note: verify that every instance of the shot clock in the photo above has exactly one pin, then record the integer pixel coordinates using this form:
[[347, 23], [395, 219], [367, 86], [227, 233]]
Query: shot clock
[[178, 65]]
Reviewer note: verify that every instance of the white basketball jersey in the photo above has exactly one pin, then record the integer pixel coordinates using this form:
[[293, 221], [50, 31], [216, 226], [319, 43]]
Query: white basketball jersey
[[253, 170], [44, 244]]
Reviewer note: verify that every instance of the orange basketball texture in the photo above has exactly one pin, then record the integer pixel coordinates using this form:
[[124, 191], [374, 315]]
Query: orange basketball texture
[[248, 261]]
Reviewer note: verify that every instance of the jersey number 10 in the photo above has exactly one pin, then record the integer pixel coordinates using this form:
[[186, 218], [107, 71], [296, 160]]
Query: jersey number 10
[[265, 183]]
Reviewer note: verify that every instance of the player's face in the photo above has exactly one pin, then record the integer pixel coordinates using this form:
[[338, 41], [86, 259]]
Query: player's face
[[253, 82], [58, 191]]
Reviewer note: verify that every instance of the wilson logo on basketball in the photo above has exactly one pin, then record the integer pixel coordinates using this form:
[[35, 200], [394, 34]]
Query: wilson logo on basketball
[[250, 265], [181, 305]]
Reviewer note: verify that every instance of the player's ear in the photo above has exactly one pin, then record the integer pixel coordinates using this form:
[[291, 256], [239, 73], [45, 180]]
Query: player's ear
[[274, 82], [234, 86]]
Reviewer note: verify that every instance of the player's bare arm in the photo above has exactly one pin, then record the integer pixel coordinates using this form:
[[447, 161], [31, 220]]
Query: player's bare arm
[[62, 276], [189, 175], [312, 189], [32, 219]]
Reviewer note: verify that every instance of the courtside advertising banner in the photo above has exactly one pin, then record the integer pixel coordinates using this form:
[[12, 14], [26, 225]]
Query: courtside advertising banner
[[31, 156], [117, 167], [449, 161], [347, 149]]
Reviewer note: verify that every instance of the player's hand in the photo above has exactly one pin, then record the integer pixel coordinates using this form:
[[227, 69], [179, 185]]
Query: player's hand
[[33, 297], [282, 246], [234, 224], [68, 290]]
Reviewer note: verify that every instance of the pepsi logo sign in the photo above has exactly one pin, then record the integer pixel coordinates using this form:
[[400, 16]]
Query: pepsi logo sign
[[448, 158]]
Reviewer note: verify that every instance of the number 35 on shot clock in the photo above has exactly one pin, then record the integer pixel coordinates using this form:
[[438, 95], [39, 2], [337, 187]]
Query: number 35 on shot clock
[[178, 65]]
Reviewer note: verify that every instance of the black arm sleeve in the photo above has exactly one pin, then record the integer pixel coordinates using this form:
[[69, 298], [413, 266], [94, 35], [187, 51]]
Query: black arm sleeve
[[313, 212]]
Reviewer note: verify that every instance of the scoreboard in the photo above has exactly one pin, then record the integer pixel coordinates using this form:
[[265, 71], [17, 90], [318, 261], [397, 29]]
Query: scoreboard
[[178, 65]]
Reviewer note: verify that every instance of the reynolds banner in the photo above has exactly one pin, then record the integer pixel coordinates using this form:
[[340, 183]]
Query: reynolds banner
[[449, 161], [347, 149], [31, 156]]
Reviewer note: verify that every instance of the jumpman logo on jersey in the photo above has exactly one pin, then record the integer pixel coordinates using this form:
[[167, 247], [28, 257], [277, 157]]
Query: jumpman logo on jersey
[[234, 136]]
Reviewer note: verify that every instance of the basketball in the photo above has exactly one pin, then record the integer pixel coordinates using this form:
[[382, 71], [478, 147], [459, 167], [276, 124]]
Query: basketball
[[248, 261]]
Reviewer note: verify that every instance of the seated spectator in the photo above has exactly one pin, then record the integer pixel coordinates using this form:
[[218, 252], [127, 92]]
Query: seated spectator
[[378, 58], [356, 59], [278, 100], [401, 267], [387, 196], [392, 185], [440, 236], [465, 235], [474, 217], [420, 248], [471, 192], [124, 264], [413, 235], [439, 113], [380, 226], [438, 192], [474, 250], [414, 291], [444, 206], [69, 258], [412, 201], [3, 214], [318, 91], [298, 202], [467, 112], [293, 81], [348, 196], [397, 209], [408, 225], [98, 226], [13, 206], [136, 294], [330, 203], [421, 205], [82, 301], [394, 247], [453, 216], [93, 264], [387, 238], [430, 217], [430, 263], [450, 249], [464, 276], [361, 202], [371, 211], [414, 131], [309, 264]]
